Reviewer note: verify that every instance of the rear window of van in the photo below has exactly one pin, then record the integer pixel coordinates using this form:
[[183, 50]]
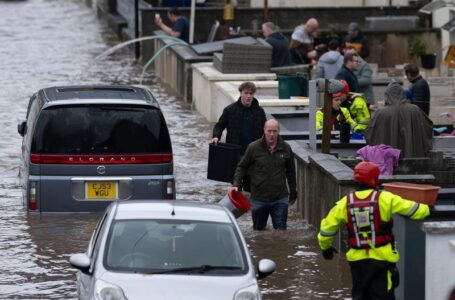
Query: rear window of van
[[98, 129]]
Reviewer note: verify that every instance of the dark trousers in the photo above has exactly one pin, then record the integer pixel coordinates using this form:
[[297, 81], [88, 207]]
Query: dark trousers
[[370, 278], [278, 210]]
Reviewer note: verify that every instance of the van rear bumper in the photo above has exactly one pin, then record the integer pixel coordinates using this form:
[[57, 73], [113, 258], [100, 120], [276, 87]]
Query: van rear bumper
[[70, 194]]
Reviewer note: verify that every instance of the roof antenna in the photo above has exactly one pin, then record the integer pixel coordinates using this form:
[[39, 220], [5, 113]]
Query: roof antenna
[[173, 208]]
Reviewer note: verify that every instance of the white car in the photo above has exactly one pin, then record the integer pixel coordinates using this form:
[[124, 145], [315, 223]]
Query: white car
[[173, 250]]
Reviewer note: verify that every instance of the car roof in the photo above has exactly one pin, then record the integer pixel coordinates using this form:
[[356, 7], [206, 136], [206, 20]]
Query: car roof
[[98, 92], [171, 209]]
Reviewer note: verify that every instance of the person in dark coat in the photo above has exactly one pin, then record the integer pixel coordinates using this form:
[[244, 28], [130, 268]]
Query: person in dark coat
[[356, 40], [346, 73], [401, 125], [419, 89], [270, 163], [244, 119], [281, 56]]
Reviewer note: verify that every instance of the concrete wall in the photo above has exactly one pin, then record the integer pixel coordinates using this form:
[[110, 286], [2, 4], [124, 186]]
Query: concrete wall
[[440, 259], [204, 77]]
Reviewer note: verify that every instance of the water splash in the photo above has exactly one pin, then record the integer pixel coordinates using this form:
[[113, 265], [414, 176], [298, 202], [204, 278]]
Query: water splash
[[136, 40], [176, 41]]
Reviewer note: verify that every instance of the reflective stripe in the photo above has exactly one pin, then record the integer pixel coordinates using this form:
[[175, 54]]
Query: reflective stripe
[[354, 222], [328, 234], [364, 122], [372, 221], [413, 210]]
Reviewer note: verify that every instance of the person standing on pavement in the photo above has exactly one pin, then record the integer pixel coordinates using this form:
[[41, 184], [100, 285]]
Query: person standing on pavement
[[330, 62], [372, 253], [351, 62], [244, 119], [181, 27], [364, 75], [356, 40], [281, 56], [419, 89], [270, 163], [357, 105], [302, 42]]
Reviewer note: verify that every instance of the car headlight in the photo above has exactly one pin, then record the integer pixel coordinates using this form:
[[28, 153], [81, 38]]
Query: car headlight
[[108, 291], [248, 293]]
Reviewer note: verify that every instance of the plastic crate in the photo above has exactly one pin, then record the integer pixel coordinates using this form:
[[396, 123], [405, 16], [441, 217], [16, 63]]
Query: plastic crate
[[422, 193], [223, 159], [292, 85]]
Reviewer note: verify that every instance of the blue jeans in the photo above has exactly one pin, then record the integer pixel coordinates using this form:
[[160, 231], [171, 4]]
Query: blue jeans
[[278, 210]]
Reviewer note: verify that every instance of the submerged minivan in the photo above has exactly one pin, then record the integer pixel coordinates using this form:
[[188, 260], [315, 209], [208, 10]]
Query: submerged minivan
[[86, 146]]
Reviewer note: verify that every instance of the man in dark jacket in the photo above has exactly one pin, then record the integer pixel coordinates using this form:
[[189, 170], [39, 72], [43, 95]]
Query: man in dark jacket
[[281, 56], [244, 119], [356, 40], [269, 161], [351, 62], [419, 89]]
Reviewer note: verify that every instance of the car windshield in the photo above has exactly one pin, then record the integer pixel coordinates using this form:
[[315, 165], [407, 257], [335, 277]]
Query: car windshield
[[175, 247], [98, 129]]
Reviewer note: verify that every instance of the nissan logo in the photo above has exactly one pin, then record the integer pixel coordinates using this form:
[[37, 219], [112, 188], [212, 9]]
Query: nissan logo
[[101, 170]]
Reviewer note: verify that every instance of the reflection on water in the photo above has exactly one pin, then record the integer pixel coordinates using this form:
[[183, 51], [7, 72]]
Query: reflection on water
[[46, 43]]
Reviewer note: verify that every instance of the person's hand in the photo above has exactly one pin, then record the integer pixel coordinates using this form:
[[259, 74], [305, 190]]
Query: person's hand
[[158, 21], [372, 107], [328, 253], [215, 140], [312, 54], [233, 188]]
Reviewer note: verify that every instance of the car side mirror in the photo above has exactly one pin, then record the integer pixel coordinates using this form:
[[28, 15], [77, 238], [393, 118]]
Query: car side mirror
[[265, 268], [22, 128], [80, 261]]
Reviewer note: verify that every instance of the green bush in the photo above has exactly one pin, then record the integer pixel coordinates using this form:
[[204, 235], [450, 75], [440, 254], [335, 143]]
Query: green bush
[[417, 48]]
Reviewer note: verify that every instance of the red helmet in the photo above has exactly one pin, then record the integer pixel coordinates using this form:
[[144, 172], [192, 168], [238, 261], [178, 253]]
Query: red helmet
[[345, 89], [368, 173]]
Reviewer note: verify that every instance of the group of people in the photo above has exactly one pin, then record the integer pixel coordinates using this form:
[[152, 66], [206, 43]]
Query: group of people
[[266, 169], [267, 164]]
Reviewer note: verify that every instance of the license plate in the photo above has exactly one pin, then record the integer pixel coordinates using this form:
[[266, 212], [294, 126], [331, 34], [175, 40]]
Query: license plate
[[101, 190]]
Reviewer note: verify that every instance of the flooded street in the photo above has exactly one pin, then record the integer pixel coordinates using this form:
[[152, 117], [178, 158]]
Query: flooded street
[[54, 42]]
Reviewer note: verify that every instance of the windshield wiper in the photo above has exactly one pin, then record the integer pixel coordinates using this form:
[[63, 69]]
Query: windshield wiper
[[197, 269]]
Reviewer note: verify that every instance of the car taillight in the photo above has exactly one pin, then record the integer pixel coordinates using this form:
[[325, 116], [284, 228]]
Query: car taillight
[[170, 190], [32, 196], [87, 159]]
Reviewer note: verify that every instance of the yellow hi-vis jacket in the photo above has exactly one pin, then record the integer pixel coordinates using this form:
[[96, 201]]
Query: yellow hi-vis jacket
[[389, 204], [359, 111], [344, 111]]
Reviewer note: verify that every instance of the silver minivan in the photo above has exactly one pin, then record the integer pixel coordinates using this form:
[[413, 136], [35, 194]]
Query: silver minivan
[[86, 146]]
